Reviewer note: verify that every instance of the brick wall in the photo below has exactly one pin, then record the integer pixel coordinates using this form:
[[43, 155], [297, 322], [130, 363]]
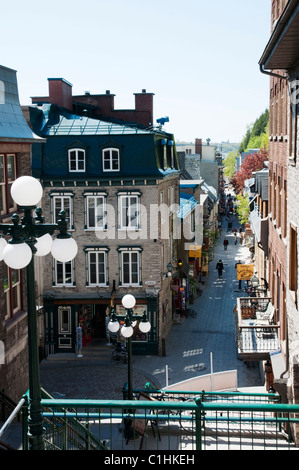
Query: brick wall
[[100, 105], [13, 332]]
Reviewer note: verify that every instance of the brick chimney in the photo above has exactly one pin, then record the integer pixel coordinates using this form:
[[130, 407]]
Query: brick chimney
[[144, 102], [198, 147], [60, 92]]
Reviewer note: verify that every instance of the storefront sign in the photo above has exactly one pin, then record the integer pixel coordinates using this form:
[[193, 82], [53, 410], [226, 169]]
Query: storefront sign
[[245, 272], [195, 251]]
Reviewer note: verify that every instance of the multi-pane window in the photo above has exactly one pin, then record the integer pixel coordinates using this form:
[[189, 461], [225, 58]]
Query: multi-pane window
[[95, 211], [62, 201], [111, 159], [7, 177], [76, 160], [129, 211], [12, 291], [63, 273], [97, 267], [130, 267]]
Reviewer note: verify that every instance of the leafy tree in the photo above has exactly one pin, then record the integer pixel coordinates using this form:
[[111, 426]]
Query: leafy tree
[[245, 141], [252, 163], [259, 129], [229, 164], [243, 208]]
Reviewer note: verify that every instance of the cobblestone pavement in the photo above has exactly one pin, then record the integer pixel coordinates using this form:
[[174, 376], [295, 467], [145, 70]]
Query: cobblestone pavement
[[88, 380], [188, 347]]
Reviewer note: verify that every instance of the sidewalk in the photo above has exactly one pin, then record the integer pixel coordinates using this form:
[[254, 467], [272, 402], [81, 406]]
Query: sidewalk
[[188, 347]]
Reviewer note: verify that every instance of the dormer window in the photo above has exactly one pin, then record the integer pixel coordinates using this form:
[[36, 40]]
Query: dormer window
[[111, 159], [76, 159]]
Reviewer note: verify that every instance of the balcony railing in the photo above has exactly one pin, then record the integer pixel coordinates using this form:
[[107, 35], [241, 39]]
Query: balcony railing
[[167, 420], [256, 334], [176, 421]]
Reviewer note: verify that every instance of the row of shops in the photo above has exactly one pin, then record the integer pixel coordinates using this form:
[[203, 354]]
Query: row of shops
[[63, 315]]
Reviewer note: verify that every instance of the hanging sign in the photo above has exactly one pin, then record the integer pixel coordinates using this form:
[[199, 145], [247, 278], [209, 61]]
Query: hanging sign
[[245, 272], [195, 251]]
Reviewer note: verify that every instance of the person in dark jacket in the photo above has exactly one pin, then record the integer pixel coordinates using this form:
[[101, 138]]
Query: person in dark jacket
[[225, 243], [219, 268], [240, 281]]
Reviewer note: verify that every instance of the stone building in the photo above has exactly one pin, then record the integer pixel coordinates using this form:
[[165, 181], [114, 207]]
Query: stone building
[[119, 187]]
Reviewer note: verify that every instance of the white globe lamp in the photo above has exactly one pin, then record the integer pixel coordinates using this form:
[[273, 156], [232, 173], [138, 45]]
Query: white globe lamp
[[43, 245], [113, 326], [144, 326], [17, 255], [26, 191], [128, 301], [64, 249], [127, 331]]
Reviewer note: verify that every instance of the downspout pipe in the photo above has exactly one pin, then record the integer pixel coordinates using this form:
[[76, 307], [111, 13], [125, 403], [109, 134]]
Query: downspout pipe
[[272, 74]]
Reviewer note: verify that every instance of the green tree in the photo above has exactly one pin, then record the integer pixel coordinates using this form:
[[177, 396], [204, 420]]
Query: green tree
[[243, 208], [229, 164], [257, 134]]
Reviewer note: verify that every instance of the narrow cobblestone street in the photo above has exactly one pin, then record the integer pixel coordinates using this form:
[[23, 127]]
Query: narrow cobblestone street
[[188, 347]]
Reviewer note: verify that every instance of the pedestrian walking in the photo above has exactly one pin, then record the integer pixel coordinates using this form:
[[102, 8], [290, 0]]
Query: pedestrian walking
[[240, 281], [241, 238], [219, 268], [236, 237], [225, 243]]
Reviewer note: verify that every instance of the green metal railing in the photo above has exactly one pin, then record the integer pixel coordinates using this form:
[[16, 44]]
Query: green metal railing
[[171, 421]]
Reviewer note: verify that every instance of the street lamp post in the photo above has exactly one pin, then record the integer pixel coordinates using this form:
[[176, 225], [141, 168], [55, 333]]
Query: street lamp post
[[130, 320], [31, 236]]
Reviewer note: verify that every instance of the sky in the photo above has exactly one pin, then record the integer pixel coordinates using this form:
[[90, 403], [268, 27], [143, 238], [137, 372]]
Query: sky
[[198, 57]]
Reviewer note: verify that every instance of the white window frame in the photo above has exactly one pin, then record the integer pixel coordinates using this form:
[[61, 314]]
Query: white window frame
[[6, 182], [109, 151], [12, 291], [129, 211], [100, 219], [76, 160], [64, 274], [97, 252], [129, 253], [66, 204]]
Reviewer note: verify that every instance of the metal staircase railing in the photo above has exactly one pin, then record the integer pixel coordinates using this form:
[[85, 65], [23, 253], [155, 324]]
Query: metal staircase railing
[[158, 420]]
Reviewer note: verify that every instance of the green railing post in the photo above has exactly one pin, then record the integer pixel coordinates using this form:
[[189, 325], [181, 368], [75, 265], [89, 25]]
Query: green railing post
[[65, 434], [198, 423], [25, 414]]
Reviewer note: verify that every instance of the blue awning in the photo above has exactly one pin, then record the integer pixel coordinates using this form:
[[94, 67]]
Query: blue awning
[[187, 204]]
